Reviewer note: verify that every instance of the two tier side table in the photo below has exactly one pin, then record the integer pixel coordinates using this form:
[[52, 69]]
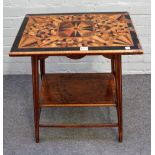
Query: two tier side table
[[76, 35]]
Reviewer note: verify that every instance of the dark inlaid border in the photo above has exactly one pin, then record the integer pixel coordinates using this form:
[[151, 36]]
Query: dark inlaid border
[[21, 30]]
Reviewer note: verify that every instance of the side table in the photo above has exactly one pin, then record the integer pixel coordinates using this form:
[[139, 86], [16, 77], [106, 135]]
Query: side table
[[76, 35]]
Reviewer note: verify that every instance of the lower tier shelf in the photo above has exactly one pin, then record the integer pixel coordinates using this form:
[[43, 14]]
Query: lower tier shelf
[[77, 90]]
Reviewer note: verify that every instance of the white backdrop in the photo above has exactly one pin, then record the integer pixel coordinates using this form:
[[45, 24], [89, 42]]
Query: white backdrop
[[14, 11]]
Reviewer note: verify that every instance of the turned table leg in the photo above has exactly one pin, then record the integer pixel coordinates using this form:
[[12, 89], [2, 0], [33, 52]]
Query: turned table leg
[[35, 84], [118, 77]]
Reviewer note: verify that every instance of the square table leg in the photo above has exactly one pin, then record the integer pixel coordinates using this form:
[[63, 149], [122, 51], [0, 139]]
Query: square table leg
[[113, 65], [42, 67], [35, 84], [118, 77]]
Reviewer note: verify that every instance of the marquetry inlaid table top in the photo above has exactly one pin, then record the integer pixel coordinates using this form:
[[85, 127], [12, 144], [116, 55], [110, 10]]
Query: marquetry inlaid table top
[[76, 33]]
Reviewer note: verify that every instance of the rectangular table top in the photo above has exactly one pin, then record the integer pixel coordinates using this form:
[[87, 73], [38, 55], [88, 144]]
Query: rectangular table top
[[76, 33]]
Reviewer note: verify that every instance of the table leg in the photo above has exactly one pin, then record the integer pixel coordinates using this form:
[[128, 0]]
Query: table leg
[[42, 67], [113, 65], [118, 77], [35, 84]]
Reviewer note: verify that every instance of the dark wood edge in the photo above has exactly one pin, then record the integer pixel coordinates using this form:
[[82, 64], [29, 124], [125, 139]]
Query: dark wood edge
[[103, 48], [19, 34]]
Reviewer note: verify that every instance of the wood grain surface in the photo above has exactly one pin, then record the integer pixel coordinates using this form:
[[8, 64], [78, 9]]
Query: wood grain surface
[[78, 89]]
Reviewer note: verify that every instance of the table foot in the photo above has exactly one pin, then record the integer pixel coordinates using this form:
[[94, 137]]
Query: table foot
[[37, 140], [120, 136]]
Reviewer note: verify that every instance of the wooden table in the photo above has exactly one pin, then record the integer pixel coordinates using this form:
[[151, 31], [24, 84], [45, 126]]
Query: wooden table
[[76, 35]]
